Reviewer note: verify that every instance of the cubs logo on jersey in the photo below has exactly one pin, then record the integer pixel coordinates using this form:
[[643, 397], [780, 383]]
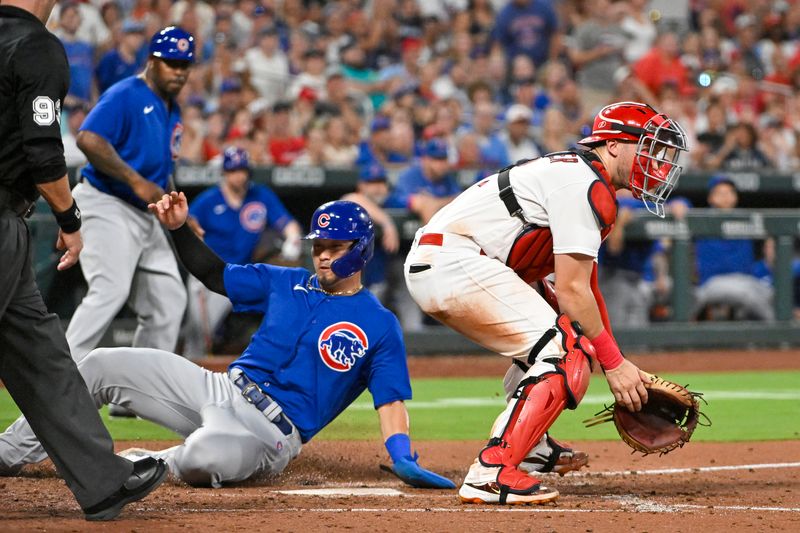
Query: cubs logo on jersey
[[253, 217], [175, 141], [341, 345]]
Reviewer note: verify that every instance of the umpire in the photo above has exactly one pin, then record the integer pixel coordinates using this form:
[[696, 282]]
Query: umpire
[[35, 363]]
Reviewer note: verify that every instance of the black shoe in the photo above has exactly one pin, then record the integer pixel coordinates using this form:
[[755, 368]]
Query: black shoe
[[148, 473]]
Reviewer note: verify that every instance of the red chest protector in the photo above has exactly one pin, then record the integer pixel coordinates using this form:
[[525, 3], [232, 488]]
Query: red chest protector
[[531, 255]]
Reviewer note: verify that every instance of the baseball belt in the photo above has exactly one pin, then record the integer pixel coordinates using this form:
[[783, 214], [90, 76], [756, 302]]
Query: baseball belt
[[254, 395]]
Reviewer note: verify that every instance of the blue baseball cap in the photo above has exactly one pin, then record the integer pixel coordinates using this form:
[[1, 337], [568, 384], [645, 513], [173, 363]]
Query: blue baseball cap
[[372, 172], [230, 85], [133, 26], [235, 158], [435, 148], [718, 179], [380, 123], [173, 43]]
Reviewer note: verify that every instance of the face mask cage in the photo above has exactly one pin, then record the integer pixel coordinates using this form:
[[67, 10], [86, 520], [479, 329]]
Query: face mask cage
[[656, 171]]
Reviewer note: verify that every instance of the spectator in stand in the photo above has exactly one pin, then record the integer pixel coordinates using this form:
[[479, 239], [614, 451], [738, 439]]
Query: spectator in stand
[[725, 267], [191, 149], [556, 132], [639, 29], [202, 11], [124, 60], [314, 153], [230, 98], [214, 136], [312, 77], [80, 55], [92, 28], [371, 192], [711, 134], [284, 144], [231, 218], [338, 152], [596, 51], [740, 151], [266, 66], [662, 65], [517, 138], [376, 150], [528, 27], [493, 150]]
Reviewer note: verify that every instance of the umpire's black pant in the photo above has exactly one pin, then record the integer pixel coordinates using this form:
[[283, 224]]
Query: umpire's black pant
[[38, 371]]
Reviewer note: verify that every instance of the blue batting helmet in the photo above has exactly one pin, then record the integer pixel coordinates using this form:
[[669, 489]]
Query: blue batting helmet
[[173, 43], [235, 158], [345, 221]]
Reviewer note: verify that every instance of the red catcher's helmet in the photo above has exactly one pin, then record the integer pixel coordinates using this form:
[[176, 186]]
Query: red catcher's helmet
[[660, 140]]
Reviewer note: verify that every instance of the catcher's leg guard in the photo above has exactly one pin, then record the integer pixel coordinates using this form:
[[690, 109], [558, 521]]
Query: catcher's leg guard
[[539, 401]]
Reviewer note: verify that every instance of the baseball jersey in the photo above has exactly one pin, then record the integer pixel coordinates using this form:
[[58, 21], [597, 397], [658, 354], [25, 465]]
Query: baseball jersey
[[144, 132], [553, 192], [315, 353], [234, 233], [412, 181]]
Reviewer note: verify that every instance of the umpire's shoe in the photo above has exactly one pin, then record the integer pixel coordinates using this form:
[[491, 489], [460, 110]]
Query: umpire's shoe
[[147, 474]]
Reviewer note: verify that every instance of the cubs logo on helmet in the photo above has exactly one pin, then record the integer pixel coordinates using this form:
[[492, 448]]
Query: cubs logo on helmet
[[341, 345], [253, 217], [323, 220]]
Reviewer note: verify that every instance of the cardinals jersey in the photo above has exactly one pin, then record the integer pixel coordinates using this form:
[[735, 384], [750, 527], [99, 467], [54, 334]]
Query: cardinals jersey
[[315, 353], [555, 191]]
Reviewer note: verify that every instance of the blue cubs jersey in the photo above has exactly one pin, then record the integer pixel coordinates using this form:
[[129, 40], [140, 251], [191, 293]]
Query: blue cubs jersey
[[412, 181], [315, 353], [143, 131], [234, 233]]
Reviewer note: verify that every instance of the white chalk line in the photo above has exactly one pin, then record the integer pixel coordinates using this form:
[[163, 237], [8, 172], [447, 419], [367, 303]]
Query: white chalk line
[[594, 399], [697, 469]]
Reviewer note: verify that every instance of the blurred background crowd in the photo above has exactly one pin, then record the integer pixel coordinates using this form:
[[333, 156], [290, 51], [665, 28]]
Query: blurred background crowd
[[308, 82], [409, 92]]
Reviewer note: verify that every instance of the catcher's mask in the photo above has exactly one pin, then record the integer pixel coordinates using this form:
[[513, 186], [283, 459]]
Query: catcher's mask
[[660, 139], [345, 221]]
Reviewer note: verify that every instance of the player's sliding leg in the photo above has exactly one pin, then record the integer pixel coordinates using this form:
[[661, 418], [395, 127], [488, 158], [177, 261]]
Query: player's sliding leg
[[549, 386]]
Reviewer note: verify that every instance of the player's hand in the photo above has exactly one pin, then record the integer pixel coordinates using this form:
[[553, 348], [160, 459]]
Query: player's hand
[[412, 474], [147, 190], [73, 244], [292, 248], [627, 384], [171, 210]]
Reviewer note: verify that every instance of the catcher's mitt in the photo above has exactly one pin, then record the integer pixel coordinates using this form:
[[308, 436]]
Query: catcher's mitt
[[665, 422]]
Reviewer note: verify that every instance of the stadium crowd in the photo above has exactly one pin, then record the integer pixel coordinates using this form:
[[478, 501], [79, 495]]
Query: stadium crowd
[[350, 82]]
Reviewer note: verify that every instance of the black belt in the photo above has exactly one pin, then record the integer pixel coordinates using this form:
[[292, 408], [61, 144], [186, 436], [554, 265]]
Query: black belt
[[16, 203], [254, 395]]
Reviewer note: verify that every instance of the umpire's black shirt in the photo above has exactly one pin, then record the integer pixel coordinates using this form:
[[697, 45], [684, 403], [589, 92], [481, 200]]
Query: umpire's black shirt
[[34, 78]]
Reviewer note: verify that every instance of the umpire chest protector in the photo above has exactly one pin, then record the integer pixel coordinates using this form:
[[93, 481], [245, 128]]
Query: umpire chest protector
[[531, 255]]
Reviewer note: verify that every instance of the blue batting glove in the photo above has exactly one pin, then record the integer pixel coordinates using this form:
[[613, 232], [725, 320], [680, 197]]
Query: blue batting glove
[[406, 468], [409, 471]]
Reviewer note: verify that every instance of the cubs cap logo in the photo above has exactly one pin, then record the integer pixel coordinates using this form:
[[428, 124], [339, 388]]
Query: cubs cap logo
[[183, 44], [323, 220], [341, 345]]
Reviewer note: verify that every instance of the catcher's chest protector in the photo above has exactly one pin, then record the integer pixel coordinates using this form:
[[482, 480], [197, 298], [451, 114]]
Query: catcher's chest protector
[[531, 255]]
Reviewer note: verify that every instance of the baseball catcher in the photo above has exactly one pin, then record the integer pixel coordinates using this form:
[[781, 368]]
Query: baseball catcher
[[666, 421], [473, 265]]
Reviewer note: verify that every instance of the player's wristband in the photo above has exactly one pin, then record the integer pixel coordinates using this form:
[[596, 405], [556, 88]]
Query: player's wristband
[[607, 351], [398, 446], [70, 220]]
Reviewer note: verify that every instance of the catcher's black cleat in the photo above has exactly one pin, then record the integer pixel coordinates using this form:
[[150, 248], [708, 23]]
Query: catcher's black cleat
[[147, 474]]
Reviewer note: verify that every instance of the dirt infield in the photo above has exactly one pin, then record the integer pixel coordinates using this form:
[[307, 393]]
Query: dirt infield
[[705, 486]]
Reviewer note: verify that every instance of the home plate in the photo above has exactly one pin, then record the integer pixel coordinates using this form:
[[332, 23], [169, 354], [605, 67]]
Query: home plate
[[343, 491]]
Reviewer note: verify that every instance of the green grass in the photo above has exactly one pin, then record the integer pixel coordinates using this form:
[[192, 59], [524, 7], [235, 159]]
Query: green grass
[[742, 407]]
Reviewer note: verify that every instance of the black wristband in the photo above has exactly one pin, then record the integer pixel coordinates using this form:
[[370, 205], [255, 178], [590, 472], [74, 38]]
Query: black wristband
[[70, 220]]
